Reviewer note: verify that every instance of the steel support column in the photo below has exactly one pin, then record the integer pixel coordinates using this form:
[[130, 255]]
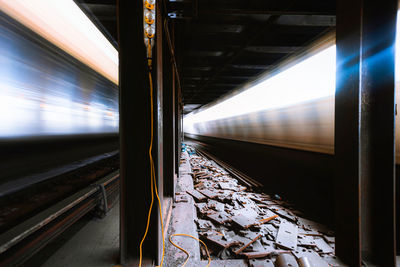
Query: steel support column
[[176, 122], [134, 129], [177, 96], [364, 132], [169, 123], [180, 125], [159, 121]]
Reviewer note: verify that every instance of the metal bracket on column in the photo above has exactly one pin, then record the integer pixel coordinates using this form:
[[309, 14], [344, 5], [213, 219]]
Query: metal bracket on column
[[103, 205]]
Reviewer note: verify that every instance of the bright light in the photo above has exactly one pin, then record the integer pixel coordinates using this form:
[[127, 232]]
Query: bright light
[[41, 93], [397, 49], [24, 113], [310, 79], [64, 24], [149, 25]]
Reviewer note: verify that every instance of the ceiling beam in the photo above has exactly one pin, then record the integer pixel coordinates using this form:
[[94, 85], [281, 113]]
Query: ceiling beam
[[261, 11], [248, 38], [250, 66], [273, 49], [203, 53], [307, 20]]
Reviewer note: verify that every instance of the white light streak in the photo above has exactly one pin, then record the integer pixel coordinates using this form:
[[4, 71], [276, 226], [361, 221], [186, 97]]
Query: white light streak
[[64, 24], [310, 79]]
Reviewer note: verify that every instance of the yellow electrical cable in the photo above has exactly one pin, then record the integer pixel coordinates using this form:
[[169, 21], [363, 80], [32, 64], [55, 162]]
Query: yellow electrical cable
[[154, 184], [186, 252], [152, 173], [148, 215]]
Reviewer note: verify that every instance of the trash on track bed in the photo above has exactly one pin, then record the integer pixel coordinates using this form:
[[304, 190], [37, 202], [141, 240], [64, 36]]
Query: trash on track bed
[[236, 222]]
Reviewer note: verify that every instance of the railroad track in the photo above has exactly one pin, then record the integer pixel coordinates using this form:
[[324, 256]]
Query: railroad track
[[25, 234], [243, 178]]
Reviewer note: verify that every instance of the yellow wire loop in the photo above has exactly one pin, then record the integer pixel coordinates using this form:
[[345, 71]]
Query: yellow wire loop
[[186, 252], [149, 35]]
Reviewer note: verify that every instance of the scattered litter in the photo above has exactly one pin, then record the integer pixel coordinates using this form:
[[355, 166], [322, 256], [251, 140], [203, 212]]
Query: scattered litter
[[287, 235], [181, 198], [237, 222]]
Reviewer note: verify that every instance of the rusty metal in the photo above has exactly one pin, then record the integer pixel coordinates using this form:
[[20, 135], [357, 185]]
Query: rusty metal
[[197, 195], [219, 217], [245, 221], [287, 235], [25, 239], [262, 254], [21, 183], [209, 193], [322, 245], [306, 240], [286, 214], [246, 245], [221, 241], [25, 203]]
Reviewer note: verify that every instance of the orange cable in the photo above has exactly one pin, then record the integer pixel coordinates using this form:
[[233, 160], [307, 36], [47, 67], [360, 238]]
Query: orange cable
[[186, 252], [152, 174]]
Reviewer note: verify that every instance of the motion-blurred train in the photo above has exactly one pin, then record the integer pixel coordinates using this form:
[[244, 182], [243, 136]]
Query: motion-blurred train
[[44, 90], [291, 107], [279, 129], [58, 90]]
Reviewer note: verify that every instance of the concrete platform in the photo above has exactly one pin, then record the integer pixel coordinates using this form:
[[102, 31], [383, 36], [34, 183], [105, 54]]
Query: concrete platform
[[96, 244], [182, 222]]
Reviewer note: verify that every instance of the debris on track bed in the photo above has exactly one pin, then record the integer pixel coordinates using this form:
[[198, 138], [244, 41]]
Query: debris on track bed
[[236, 222]]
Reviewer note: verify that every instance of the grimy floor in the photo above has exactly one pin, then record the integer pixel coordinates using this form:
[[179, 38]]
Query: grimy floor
[[96, 244], [239, 226]]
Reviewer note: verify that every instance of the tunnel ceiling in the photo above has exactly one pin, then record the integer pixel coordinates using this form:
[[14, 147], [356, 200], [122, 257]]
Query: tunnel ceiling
[[221, 44]]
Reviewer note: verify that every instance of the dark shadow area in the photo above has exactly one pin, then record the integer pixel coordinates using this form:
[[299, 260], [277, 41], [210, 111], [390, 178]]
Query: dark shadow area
[[27, 157], [44, 254]]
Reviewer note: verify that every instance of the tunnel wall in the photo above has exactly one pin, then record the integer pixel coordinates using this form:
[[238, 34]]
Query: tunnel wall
[[304, 178]]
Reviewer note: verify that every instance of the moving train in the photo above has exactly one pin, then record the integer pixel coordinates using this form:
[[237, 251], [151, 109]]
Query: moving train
[[291, 107], [58, 90], [44, 90]]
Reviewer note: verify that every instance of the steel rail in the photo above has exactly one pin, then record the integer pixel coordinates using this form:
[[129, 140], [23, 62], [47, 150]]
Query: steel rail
[[71, 209], [22, 183], [245, 179]]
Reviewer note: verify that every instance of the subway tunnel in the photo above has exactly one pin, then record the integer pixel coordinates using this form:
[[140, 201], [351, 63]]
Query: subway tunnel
[[199, 133]]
